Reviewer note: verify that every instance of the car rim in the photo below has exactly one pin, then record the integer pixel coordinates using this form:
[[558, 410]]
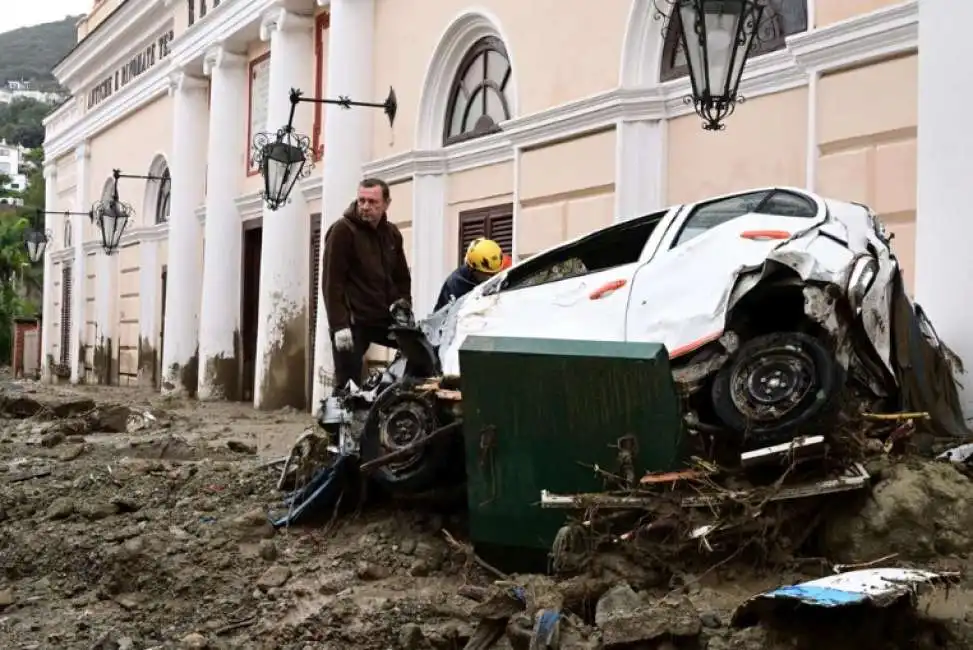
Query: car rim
[[772, 383], [401, 425]]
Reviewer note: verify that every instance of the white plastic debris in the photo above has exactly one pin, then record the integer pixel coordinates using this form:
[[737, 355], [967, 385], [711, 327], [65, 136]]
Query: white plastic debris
[[876, 587]]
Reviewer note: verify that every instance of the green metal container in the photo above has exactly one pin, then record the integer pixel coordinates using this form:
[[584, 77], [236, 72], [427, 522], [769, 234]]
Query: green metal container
[[539, 413]]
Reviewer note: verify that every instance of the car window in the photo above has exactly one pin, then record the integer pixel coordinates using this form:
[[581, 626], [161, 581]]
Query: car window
[[614, 246], [715, 213]]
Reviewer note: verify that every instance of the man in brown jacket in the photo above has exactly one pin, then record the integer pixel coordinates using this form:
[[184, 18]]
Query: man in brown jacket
[[364, 273]]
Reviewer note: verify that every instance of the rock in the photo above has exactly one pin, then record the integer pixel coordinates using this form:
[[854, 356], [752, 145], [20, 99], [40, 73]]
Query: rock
[[126, 643], [619, 600], [253, 524], [124, 504], [267, 550], [113, 418], [60, 508], [6, 598], [895, 518], [52, 439], [96, 510], [710, 620], [195, 640], [275, 576], [70, 453], [410, 637], [419, 569], [371, 571], [408, 546], [624, 620], [238, 447]]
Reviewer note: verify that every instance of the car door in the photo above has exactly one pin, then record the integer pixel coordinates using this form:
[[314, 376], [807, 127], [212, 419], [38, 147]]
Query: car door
[[576, 291], [679, 297]]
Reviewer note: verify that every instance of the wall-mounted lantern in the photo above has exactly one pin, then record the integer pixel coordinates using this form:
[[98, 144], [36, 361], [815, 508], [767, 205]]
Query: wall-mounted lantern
[[283, 157], [112, 215], [717, 37], [36, 238]]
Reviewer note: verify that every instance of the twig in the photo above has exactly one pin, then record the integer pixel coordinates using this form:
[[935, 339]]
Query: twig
[[879, 417], [236, 625], [841, 568], [410, 448], [471, 556], [26, 477]]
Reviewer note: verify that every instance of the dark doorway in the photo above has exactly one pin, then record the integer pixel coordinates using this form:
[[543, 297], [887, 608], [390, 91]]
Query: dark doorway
[[249, 308], [157, 366], [312, 303]]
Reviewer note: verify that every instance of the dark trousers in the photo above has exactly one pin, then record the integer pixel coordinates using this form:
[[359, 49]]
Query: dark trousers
[[349, 364]]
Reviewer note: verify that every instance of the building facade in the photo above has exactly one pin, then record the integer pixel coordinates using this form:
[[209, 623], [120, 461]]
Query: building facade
[[530, 122], [12, 167]]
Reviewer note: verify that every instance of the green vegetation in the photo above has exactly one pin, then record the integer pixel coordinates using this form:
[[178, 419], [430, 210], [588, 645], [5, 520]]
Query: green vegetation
[[21, 283], [30, 53], [21, 122]]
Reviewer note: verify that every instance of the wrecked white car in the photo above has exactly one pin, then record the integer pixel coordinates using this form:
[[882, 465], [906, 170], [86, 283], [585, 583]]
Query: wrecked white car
[[776, 305], [771, 302]]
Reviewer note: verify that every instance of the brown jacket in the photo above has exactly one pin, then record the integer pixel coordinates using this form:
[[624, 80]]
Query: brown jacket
[[364, 271]]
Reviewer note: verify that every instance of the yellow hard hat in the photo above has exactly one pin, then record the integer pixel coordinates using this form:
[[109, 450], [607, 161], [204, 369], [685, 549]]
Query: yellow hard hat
[[484, 255]]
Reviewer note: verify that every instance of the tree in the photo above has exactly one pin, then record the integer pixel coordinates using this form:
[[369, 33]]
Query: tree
[[22, 122]]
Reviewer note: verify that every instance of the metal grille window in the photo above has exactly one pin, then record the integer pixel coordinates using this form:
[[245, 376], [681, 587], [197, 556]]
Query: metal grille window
[[781, 19], [313, 299], [162, 201], [496, 223], [478, 101], [66, 315]]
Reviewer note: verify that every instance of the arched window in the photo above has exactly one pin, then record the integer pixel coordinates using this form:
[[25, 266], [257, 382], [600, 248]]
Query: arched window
[[478, 100], [67, 233], [162, 200], [781, 19]]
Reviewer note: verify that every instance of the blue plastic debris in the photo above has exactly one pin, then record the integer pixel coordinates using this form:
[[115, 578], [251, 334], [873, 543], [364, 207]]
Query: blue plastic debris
[[546, 630], [876, 587], [320, 495]]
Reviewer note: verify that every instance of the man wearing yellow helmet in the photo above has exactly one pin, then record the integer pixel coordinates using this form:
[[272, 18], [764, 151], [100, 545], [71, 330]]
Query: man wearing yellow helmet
[[484, 259]]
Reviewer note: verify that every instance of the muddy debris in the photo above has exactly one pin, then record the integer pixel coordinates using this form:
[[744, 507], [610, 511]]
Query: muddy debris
[[161, 538]]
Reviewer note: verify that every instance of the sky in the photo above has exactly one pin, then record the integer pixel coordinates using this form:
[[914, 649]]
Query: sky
[[34, 12]]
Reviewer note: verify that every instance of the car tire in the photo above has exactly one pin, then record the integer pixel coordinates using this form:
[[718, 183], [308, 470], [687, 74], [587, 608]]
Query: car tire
[[418, 473], [777, 387]]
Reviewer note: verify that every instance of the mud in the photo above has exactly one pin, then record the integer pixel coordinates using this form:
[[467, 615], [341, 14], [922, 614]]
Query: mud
[[284, 382], [148, 363], [156, 536], [221, 374], [103, 362]]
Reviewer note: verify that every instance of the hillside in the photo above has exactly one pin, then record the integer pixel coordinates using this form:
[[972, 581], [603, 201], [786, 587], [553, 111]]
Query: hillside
[[32, 52]]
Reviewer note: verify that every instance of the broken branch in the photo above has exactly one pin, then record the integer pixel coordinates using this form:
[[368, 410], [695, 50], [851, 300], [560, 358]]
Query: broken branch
[[410, 448]]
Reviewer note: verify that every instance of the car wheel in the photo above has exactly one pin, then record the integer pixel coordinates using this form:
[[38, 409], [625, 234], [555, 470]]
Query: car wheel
[[398, 418], [777, 387]]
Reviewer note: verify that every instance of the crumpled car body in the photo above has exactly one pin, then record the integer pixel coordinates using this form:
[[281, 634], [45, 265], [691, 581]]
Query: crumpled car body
[[775, 304]]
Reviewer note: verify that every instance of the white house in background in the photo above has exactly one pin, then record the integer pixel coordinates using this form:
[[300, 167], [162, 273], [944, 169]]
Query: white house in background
[[21, 90], [11, 159]]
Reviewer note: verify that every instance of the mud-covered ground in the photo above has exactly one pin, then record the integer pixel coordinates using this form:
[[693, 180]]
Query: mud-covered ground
[[159, 538]]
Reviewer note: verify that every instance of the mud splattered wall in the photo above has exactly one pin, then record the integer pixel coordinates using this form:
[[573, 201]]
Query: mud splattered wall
[[559, 202], [92, 335], [128, 304]]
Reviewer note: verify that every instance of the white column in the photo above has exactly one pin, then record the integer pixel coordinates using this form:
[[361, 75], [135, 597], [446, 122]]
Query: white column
[[429, 249], [639, 168], [190, 116], [47, 312], [347, 141], [943, 264], [149, 310], [282, 327], [106, 347], [219, 326], [78, 275]]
